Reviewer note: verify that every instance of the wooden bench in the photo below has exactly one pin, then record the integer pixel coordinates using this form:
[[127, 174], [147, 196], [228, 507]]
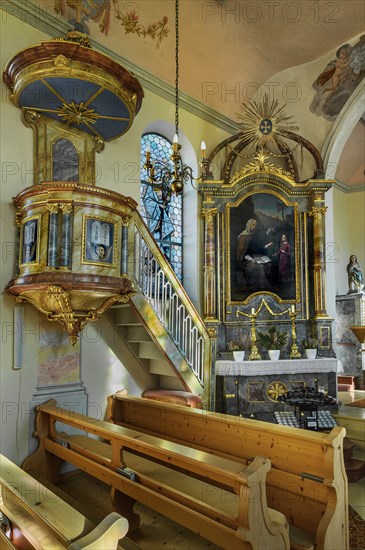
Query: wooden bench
[[38, 518], [177, 397], [307, 481], [181, 483]]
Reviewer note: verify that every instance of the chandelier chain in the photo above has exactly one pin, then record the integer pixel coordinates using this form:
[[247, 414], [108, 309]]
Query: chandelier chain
[[177, 67]]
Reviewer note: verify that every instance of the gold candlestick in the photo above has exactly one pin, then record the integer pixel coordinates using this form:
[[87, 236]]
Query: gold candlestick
[[254, 355], [294, 351]]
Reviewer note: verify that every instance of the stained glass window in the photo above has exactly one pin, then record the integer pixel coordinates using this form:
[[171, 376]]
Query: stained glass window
[[161, 211]]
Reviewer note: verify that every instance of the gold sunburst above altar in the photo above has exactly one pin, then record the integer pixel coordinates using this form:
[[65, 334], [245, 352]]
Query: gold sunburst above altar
[[267, 142], [265, 122]]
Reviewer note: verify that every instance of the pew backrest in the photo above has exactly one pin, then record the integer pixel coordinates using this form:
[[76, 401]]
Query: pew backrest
[[251, 524], [307, 481], [44, 520]]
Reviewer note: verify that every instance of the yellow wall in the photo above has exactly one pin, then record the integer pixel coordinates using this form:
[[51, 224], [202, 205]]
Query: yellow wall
[[349, 234]]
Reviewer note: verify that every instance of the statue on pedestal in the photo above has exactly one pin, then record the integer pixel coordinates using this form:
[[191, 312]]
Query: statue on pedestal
[[355, 276]]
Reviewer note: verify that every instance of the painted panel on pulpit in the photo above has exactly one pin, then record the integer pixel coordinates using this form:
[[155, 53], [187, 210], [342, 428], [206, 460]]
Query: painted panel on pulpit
[[262, 251]]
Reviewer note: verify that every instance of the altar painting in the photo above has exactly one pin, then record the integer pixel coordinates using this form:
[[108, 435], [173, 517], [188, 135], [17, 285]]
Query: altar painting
[[262, 251]]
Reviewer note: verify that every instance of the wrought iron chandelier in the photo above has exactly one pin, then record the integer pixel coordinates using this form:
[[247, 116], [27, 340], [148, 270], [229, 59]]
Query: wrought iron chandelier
[[170, 176]]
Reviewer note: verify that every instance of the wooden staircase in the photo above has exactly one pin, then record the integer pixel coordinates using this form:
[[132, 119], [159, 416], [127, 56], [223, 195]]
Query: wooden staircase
[[149, 355]]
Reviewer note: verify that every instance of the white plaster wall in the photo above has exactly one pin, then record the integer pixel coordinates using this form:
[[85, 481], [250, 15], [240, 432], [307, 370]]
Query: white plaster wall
[[102, 372]]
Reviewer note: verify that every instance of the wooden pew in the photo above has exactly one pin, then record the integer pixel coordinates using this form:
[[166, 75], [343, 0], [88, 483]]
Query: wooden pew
[[39, 519], [173, 479], [307, 481]]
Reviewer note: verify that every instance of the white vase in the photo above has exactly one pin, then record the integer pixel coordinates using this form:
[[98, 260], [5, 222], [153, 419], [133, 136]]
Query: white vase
[[311, 353], [274, 354], [238, 355]]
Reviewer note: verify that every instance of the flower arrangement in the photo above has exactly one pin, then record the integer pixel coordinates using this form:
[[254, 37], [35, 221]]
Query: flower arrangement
[[310, 343], [242, 344], [235, 346], [273, 339]]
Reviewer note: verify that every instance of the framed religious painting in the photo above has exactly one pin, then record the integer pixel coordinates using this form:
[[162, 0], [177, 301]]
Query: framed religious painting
[[99, 242], [262, 248]]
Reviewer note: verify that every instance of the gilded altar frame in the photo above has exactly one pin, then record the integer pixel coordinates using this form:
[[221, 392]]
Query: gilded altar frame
[[283, 291]]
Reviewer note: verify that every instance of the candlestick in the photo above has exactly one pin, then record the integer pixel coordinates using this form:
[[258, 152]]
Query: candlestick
[[203, 149], [175, 143], [148, 153], [294, 351], [254, 355], [252, 311]]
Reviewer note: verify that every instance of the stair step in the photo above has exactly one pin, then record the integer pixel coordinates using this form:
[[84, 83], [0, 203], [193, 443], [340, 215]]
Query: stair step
[[159, 366], [149, 350], [127, 317], [136, 334], [355, 469]]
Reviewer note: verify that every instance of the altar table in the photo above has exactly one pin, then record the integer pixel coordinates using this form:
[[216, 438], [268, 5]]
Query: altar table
[[252, 387]]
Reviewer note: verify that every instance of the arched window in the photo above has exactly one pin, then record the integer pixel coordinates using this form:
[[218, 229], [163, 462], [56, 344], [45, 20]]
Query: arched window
[[161, 210]]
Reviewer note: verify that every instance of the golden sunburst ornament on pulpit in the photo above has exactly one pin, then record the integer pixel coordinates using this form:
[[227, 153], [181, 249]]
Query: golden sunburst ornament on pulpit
[[265, 122], [77, 113]]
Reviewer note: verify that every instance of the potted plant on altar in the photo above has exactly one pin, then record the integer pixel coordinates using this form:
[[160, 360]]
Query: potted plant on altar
[[238, 350], [272, 341], [310, 347]]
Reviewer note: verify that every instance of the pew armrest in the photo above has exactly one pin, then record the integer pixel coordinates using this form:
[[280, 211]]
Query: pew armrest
[[105, 536]]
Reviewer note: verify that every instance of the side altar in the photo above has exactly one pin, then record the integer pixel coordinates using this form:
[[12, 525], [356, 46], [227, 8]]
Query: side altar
[[253, 387], [264, 211]]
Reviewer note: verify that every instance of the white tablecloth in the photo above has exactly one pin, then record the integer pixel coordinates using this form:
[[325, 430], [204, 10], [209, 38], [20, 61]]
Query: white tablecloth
[[282, 366]]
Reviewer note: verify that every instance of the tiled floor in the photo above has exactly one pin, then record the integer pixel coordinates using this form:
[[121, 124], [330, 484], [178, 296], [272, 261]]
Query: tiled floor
[[356, 490]]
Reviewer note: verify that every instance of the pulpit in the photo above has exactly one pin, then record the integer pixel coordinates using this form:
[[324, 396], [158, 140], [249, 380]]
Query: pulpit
[[253, 387]]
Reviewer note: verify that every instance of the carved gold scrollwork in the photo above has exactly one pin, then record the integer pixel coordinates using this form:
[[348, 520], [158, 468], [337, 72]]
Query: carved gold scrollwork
[[30, 117], [126, 220], [275, 389], [317, 212], [53, 208], [212, 332], [61, 61], [56, 304], [209, 213], [66, 208], [99, 143]]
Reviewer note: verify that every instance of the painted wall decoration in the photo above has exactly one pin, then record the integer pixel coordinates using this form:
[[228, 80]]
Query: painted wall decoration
[[58, 360], [339, 79], [99, 12], [262, 250]]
